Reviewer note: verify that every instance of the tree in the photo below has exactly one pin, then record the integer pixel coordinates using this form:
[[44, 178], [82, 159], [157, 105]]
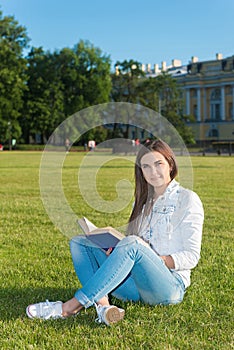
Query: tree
[[85, 76], [13, 40], [163, 95], [44, 102], [125, 81], [61, 84], [99, 134]]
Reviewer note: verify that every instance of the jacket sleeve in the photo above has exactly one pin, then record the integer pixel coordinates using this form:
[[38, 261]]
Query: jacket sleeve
[[190, 228]]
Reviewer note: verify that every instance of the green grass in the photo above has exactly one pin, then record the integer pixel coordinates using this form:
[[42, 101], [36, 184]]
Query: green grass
[[36, 264]]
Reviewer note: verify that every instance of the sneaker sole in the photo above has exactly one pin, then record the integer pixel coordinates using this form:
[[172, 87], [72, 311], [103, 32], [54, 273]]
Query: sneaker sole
[[114, 315], [28, 312]]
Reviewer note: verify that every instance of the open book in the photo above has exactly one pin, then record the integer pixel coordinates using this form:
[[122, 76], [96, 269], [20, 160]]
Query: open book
[[105, 238]]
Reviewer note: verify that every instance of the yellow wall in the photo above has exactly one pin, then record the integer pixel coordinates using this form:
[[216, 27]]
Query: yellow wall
[[207, 76]]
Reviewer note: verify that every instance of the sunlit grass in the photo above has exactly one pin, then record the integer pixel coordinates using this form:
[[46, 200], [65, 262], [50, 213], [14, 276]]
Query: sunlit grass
[[36, 263]]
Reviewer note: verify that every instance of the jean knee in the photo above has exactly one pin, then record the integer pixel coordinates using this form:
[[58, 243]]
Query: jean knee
[[77, 240], [128, 240], [132, 239]]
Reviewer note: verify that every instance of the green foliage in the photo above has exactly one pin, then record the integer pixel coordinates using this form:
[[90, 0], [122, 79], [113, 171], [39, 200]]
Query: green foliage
[[163, 94], [94, 68], [13, 40], [43, 100], [36, 264], [85, 76], [62, 83], [99, 134], [125, 81]]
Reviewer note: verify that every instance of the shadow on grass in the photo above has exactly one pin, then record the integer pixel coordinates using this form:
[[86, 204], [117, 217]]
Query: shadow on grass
[[14, 302]]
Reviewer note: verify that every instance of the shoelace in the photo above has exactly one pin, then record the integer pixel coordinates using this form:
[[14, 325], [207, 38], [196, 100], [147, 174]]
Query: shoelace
[[46, 309], [99, 311]]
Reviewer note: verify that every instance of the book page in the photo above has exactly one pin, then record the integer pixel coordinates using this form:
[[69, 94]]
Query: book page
[[90, 225], [89, 228], [109, 230], [105, 237], [86, 225]]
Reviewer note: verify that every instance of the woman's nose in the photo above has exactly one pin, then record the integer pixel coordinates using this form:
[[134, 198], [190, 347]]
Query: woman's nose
[[154, 170]]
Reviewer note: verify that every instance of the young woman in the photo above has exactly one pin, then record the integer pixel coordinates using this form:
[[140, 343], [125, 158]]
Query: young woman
[[153, 263]]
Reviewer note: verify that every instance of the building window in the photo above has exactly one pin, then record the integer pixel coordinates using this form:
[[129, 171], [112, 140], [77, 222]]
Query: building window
[[213, 133], [215, 104], [216, 94]]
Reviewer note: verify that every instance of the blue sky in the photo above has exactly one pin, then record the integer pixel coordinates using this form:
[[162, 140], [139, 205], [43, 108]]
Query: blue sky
[[149, 31]]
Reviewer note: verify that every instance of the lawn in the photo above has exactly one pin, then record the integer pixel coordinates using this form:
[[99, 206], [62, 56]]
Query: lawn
[[36, 264]]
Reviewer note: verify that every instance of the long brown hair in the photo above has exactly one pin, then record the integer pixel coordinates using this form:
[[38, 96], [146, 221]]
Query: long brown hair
[[143, 191]]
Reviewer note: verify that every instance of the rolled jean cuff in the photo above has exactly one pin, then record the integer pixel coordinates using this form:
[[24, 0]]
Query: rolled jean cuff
[[82, 298]]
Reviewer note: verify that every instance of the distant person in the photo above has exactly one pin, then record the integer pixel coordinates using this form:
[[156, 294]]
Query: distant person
[[153, 263], [13, 142], [67, 145], [91, 145], [137, 142]]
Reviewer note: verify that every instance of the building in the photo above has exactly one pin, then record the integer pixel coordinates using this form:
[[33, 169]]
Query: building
[[208, 89]]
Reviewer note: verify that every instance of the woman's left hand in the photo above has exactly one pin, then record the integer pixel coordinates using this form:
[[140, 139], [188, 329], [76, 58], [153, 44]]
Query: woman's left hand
[[168, 260], [109, 251]]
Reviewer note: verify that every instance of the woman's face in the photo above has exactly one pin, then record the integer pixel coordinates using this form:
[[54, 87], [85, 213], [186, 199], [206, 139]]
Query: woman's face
[[156, 170]]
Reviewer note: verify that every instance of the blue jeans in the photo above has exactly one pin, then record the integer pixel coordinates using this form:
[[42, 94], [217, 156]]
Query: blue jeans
[[133, 271]]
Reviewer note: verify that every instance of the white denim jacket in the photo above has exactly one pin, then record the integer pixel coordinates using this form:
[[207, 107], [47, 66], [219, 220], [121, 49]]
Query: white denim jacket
[[174, 228]]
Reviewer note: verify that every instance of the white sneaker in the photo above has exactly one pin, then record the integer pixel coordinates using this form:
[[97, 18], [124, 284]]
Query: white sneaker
[[45, 310], [109, 314]]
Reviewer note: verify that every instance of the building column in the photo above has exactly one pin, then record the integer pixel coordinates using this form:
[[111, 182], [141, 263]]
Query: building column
[[233, 102], [198, 104], [187, 101], [204, 106], [223, 103]]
